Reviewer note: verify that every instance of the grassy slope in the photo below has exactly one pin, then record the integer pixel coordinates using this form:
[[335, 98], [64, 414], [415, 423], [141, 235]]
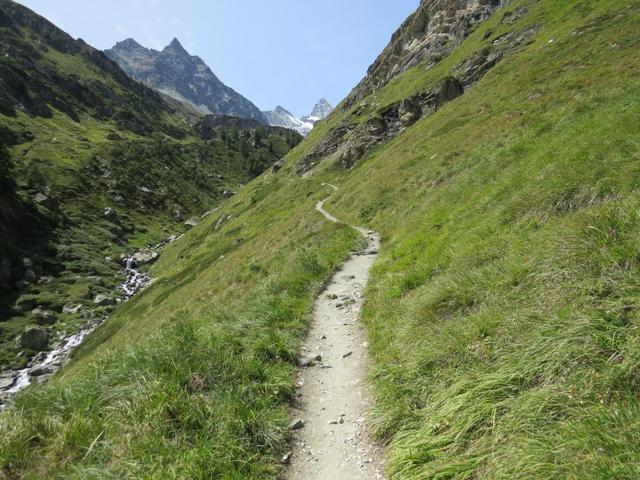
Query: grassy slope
[[91, 138], [502, 314], [183, 176], [503, 311]]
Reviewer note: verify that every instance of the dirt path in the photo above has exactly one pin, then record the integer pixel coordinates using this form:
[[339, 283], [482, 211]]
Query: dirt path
[[333, 443]]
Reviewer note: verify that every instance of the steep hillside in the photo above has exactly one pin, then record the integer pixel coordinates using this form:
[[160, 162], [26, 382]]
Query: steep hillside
[[94, 165], [502, 313], [176, 73]]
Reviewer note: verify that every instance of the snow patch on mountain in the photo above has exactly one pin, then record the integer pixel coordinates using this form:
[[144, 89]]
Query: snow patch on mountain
[[281, 117]]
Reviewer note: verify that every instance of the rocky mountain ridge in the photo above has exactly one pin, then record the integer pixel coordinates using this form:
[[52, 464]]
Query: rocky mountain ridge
[[176, 73], [350, 140], [427, 36]]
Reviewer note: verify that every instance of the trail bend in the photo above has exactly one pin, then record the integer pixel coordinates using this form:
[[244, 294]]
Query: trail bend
[[334, 394]]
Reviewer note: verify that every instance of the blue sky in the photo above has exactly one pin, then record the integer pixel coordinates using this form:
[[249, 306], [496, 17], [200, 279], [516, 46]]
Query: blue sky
[[288, 52]]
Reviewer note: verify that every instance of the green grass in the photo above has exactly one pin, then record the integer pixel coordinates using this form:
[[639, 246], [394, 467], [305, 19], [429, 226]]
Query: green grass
[[502, 313], [76, 164], [210, 391]]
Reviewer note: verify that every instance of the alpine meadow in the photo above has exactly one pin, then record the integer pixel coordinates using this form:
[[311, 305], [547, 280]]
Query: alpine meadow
[[437, 279]]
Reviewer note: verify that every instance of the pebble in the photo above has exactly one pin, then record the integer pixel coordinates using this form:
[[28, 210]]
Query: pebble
[[297, 424]]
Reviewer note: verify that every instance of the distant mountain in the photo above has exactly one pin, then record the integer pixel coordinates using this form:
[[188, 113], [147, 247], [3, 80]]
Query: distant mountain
[[176, 73], [92, 165], [321, 111], [281, 117]]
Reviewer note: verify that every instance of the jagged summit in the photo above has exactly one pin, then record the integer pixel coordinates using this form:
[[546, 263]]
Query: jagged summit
[[322, 109], [281, 117], [129, 44], [282, 110], [176, 46], [185, 77]]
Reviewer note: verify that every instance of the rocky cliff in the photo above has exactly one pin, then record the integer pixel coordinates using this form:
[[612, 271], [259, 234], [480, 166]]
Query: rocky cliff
[[427, 36], [176, 73]]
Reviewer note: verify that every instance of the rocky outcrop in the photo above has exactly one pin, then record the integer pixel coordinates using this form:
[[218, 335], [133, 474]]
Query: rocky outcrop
[[145, 257], [350, 141], [34, 338], [328, 146], [38, 88], [427, 36], [103, 301], [184, 77], [44, 317], [277, 166]]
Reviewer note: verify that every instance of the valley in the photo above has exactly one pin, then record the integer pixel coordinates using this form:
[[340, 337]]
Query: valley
[[486, 326]]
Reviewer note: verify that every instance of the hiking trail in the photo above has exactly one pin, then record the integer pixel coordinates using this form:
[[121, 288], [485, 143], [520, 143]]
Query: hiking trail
[[331, 439]]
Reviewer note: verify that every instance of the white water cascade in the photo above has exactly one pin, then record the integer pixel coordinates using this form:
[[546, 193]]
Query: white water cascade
[[45, 364]]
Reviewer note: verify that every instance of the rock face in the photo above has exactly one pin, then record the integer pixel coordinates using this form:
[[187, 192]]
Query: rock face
[[34, 338], [280, 117], [189, 224], [176, 73], [277, 166], [350, 140], [427, 36]]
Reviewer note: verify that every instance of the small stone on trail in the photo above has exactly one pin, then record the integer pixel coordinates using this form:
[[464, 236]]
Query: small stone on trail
[[286, 459], [310, 361], [348, 354], [296, 424]]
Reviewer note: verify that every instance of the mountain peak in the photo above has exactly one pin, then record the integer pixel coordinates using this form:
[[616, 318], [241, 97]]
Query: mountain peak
[[176, 46], [128, 44], [322, 109], [281, 110], [184, 77]]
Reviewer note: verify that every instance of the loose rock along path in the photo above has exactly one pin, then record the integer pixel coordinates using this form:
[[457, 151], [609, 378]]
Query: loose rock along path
[[331, 440]]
